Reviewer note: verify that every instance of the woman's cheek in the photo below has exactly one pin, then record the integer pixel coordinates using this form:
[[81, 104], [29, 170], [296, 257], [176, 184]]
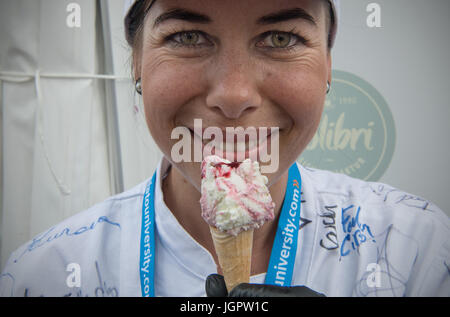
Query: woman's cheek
[[168, 81], [297, 94], [168, 85]]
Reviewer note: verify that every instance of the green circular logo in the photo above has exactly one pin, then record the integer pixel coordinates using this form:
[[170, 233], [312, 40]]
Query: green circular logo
[[356, 135]]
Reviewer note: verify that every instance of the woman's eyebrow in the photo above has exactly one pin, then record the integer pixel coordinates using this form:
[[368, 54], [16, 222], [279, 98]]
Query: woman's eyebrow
[[191, 16], [285, 15], [182, 14]]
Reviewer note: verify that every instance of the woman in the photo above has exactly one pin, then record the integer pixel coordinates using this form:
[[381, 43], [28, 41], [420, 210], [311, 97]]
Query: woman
[[238, 64]]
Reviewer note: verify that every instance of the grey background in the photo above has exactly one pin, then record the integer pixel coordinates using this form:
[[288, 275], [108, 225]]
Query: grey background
[[407, 61]]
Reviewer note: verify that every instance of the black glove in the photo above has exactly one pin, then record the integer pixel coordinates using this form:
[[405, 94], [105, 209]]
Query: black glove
[[215, 287]]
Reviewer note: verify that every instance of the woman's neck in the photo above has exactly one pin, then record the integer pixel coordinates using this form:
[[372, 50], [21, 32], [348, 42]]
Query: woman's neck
[[186, 209]]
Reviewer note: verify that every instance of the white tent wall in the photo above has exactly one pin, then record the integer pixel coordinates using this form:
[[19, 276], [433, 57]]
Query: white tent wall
[[139, 153], [70, 166], [56, 139], [55, 156]]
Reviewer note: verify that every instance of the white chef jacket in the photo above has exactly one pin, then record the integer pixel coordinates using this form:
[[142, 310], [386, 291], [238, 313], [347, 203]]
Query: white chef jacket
[[356, 238]]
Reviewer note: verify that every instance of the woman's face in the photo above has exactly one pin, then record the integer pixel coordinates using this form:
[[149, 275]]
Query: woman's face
[[253, 63]]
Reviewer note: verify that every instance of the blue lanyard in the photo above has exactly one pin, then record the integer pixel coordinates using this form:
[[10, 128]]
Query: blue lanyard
[[284, 249], [282, 258], [147, 257]]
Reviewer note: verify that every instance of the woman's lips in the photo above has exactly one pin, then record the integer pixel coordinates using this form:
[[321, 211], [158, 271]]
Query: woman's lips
[[237, 148]]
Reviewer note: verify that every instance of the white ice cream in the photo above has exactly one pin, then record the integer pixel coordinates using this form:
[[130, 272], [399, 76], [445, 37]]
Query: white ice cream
[[234, 195]]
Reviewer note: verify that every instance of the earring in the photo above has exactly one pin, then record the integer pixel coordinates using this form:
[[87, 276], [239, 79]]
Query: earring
[[328, 87], [138, 86]]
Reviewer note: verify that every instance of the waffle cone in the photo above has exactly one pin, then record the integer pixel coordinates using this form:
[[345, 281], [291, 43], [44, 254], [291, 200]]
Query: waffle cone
[[235, 254]]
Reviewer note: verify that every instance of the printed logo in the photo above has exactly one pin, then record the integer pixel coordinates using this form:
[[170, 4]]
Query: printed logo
[[356, 135]]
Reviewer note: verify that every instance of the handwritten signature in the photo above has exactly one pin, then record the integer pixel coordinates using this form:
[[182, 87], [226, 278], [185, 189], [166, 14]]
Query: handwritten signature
[[356, 233], [329, 221], [102, 290], [392, 278], [390, 194], [47, 237]]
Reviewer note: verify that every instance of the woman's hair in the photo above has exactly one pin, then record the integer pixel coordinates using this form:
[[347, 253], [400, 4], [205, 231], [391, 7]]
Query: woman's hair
[[134, 22]]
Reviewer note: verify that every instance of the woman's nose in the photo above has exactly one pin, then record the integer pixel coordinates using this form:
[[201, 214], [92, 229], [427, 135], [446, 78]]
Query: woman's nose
[[233, 87]]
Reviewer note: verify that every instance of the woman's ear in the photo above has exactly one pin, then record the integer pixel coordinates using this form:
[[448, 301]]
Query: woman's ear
[[329, 69], [136, 68]]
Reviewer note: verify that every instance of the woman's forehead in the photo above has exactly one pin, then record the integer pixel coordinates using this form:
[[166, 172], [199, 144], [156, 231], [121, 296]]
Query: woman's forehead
[[254, 11]]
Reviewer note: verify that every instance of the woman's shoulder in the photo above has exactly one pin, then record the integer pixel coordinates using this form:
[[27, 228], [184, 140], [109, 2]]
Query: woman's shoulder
[[327, 182], [364, 222], [376, 199], [93, 233], [109, 211]]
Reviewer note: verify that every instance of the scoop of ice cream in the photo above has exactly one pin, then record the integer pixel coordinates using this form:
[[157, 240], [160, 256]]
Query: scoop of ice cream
[[234, 195]]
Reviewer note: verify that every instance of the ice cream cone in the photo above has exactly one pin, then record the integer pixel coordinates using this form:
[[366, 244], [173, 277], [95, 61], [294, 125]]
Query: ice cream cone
[[235, 254]]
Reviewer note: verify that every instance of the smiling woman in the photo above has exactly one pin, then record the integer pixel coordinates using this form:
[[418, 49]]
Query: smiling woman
[[231, 64], [244, 61]]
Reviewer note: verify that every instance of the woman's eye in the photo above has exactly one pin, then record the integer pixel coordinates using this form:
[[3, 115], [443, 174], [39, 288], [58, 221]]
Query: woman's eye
[[189, 38], [281, 40]]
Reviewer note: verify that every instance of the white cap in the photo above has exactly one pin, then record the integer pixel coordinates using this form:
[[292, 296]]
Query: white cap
[[335, 5], [336, 11], [127, 5]]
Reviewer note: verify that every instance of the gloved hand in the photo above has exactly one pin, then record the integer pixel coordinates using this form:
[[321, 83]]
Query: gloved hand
[[215, 287]]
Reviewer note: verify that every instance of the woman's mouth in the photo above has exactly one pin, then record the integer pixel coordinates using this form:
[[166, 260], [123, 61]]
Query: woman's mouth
[[235, 143]]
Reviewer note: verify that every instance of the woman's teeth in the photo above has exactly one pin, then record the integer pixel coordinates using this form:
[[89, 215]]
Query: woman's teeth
[[232, 145]]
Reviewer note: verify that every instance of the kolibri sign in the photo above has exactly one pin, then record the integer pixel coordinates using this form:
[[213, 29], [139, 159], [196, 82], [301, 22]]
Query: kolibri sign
[[356, 135]]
